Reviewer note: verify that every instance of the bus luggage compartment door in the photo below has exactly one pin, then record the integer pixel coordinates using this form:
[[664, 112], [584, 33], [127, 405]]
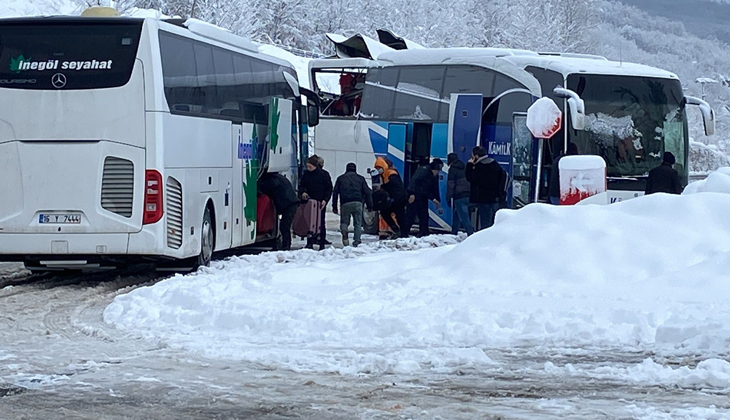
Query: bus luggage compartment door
[[71, 187]]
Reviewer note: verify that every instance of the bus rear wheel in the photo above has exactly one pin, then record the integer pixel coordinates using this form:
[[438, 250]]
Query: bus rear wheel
[[207, 240]]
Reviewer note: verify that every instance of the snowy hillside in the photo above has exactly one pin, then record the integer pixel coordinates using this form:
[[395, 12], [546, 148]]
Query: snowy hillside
[[613, 29], [16, 8]]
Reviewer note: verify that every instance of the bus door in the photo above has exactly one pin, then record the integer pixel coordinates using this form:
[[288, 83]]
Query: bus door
[[245, 180], [282, 136], [522, 156], [441, 217], [397, 145], [465, 122], [418, 147], [463, 130]]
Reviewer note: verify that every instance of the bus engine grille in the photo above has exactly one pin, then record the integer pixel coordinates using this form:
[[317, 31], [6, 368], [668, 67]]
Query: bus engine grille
[[174, 213], [117, 186]]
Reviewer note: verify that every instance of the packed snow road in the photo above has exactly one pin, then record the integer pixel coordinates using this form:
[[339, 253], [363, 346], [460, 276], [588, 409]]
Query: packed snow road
[[553, 313], [61, 361]]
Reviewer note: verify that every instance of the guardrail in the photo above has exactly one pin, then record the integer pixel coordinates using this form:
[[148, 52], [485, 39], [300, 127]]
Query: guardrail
[[300, 52], [697, 177]]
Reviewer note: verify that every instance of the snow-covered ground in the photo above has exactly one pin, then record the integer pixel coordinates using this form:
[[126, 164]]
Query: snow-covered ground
[[644, 276]]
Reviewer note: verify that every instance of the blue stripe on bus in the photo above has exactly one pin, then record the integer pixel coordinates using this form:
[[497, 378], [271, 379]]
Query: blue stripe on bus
[[379, 142], [439, 140]]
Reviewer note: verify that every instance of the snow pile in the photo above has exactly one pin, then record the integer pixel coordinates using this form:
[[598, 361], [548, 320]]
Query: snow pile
[[718, 181], [711, 373], [643, 274]]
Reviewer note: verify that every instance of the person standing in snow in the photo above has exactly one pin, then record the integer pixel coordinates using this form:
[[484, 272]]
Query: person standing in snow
[[457, 193], [554, 182], [487, 180], [352, 189], [316, 184], [285, 201], [421, 189], [663, 178]]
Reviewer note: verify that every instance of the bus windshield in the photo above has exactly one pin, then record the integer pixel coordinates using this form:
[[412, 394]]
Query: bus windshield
[[631, 121], [64, 54]]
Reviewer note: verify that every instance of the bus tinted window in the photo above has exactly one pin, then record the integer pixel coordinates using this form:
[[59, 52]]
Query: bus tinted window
[[208, 80], [68, 54], [418, 94], [379, 94], [468, 79]]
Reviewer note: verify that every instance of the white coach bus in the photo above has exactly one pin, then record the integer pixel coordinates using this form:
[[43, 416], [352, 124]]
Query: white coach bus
[[128, 140]]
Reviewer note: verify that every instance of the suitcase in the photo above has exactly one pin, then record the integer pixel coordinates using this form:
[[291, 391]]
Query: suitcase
[[265, 215], [307, 219]]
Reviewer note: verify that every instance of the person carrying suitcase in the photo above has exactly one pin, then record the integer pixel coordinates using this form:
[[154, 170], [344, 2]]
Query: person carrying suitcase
[[285, 201], [316, 184], [352, 190]]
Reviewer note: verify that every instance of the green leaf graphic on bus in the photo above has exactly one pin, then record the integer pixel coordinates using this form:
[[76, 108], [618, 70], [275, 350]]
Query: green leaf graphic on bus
[[250, 192], [250, 187], [274, 123], [16, 62]]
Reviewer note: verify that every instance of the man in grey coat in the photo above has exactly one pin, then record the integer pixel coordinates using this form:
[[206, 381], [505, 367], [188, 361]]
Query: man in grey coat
[[352, 191]]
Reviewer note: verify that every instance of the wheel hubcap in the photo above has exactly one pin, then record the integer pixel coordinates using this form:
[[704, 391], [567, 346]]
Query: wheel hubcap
[[207, 241]]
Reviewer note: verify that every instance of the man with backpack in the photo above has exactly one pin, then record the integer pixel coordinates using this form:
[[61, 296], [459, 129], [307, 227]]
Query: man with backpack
[[352, 190], [488, 185]]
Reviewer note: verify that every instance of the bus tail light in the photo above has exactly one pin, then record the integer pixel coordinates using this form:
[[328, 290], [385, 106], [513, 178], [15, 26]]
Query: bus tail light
[[152, 197]]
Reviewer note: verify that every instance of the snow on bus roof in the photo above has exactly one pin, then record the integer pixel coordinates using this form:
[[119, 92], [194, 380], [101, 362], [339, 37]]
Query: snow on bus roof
[[483, 57], [574, 64], [564, 63]]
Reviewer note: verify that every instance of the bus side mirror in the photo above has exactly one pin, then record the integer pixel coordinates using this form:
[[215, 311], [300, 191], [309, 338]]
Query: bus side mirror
[[576, 107], [312, 115], [708, 115], [312, 106]]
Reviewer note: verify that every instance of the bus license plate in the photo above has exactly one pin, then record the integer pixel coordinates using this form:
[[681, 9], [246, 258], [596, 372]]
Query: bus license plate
[[60, 219]]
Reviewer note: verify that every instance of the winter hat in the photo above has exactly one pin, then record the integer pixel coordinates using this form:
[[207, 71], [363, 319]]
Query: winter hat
[[313, 160], [351, 167], [669, 158], [451, 158]]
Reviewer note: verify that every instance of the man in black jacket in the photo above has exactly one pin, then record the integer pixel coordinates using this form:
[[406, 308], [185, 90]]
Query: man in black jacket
[[664, 178], [285, 201], [421, 189], [316, 184], [488, 185], [457, 193], [353, 191]]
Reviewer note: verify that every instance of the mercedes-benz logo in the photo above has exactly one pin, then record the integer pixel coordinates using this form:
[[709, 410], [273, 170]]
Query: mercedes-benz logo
[[58, 80]]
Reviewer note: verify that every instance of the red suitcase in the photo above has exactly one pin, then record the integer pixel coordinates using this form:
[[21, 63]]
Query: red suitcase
[[307, 219], [265, 215]]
